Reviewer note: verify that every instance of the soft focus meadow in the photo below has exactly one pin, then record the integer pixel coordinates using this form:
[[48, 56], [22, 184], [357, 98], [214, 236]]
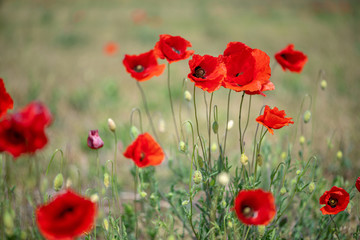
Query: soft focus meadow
[[63, 63]]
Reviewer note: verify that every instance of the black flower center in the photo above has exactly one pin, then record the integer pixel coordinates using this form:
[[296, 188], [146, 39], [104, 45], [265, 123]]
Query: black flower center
[[142, 156], [175, 50], [66, 211], [248, 212], [238, 74], [138, 68], [15, 137], [332, 202], [284, 56], [199, 72]]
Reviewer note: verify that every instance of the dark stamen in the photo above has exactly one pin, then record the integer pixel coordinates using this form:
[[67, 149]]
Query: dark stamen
[[248, 212], [175, 50], [238, 74], [142, 156], [332, 202], [199, 72], [283, 56], [138, 68]]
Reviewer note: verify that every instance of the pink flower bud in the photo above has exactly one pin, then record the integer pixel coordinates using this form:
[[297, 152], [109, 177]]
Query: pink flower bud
[[94, 141]]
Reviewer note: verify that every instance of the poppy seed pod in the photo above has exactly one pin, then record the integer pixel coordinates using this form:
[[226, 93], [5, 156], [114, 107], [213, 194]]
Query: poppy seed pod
[[215, 127], [197, 177], [58, 182], [307, 116], [187, 96], [323, 84], [111, 125]]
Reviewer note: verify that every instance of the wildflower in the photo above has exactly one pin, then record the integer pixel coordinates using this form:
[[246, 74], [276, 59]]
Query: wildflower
[[58, 182], [255, 207], [6, 100], [173, 48], [307, 116], [336, 200], [144, 66], [24, 131], [291, 59], [94, 141], [207, 72], [247, 69], [67, 216], [323, 84], [187, 95], [273, 119], [111, 125], [145, 151], [357, 184], [223, 178], [244, 159], [339, 155], [197, 177], [110, 48]]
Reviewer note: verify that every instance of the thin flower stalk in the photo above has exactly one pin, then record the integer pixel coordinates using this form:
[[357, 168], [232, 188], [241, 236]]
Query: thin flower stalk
[[227, 120], [171, 104]]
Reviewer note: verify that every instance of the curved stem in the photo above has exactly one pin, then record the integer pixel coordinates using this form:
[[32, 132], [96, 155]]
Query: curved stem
[[257, 152], [227, 120], [171, 104], [140, 118], [240, 108], [52, 158]]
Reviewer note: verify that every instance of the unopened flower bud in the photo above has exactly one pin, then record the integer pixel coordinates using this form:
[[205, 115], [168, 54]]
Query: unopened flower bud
[[223, 178], [323, 84], [185, 202], [261, 230], [230, 124], [223, 203], [339, 155], [23, 235], [293, 181], [106, 224], [111, 124], [283, 155], [106, 180], [215, 127], [197, 177], [94, 198], [260, 160], [8, 220], [298, 172], [213, 147], [134, 132], [307, 116], [58, 182], [282, 190], [230, 224], [68, 183], [171, 237], [153, 196], [94, 141], [244, 159], [311, 187], [143, 194], [187, 95], [349, 207], [161, 126], [302, 140], [182, 146], [200, 161]]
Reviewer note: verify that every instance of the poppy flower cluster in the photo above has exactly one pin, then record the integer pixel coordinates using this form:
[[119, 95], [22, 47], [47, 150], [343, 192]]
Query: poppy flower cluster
[[144, 66], [240, 68], [67, 216], [24, 131], [336, 200], [145, 151], [291, 59], [6, 101], [273, 119], [255, 207]]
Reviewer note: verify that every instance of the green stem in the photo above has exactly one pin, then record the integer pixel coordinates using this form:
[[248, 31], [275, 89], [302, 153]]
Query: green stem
[[98, 162], [52, 158], [171, 104], [240, 108], [336, 228], [257, 153], [227, 121], [209, 129], [247, 121], [247, 232], [197, 124], [135, 207]]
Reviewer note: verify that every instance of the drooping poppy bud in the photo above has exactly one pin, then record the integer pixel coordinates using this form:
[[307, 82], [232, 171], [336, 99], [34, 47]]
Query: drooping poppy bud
[[94, 141]]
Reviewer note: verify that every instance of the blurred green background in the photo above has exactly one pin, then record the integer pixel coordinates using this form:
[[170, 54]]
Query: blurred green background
[[53, 51]]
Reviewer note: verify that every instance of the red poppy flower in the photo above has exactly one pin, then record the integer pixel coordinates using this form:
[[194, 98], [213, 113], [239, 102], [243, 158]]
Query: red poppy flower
[[255, 207], [144, 66], [110, 48], [207, 72], [273, 119], [247, 69], [173, 48], [94, 141], [6, 101], [145, 151], [24, 131], [357, 184], [66, 217], [336, 200], [291, 59]]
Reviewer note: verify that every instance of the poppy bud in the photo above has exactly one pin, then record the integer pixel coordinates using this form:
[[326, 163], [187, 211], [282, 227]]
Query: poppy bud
[[23, 235], [323, 84], [200, 161], [282, 190], [293, 181], [8, 223], [298, 172], [283, 155], [230, 124], [58, 182], [182, 146], [94, 141], [187, 96], [134, 132], [215, 127], [94, 198], [223, 203], [68, 183], [259, 160], [185, 202], [161, 125], [302, 140], [171, 237], [106, 224], [229, 223], [143, 194], [111, 124], [244, 159], [307, 116], [106, 180], [197, 177], [339, 155], [223, 178], [311, 187], [213, 147], [261, 230]]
